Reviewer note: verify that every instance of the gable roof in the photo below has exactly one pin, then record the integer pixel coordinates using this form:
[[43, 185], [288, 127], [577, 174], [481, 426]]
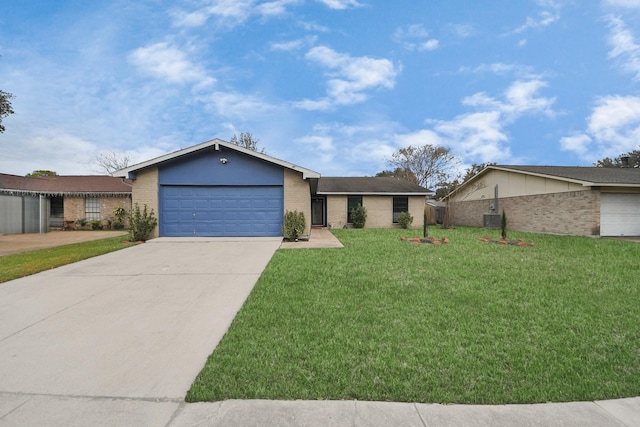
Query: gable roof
[[588, 176], [214, 144], [370, 186], [65, 185]]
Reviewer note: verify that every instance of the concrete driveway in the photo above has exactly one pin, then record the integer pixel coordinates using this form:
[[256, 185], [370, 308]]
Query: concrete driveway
[[123, 334]]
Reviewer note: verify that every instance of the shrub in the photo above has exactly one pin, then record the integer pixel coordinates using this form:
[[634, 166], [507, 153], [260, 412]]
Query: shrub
[[294, 225], [96, 224], [405, 219], [141, 223], [359, 216], [120, 213]]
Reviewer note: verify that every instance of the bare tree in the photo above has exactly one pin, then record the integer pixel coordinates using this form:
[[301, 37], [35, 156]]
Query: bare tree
[[111, 161], [400, 173], [246, 140], [430, 165]]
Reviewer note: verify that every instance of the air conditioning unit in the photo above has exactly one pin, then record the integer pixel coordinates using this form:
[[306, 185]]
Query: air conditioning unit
[[491, 220]]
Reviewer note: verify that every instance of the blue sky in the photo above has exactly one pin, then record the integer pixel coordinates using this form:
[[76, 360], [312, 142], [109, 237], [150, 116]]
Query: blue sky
[[332, 85]]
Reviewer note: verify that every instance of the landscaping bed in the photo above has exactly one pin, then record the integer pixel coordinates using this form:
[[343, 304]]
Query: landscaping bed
[[469, 322]]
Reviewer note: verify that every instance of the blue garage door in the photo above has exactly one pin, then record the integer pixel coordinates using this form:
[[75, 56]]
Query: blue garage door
[[221, 210]]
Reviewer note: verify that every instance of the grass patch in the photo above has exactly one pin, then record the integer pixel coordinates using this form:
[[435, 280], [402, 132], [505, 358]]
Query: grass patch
[[27, 263], [467, 322]]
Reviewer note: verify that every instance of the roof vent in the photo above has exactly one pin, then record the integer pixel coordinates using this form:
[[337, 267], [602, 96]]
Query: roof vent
[[625, 161]]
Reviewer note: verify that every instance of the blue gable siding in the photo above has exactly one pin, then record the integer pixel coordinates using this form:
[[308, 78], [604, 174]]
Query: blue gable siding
[[204, 168]]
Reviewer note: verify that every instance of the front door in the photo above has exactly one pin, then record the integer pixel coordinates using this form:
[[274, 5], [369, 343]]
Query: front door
[[318, 211]]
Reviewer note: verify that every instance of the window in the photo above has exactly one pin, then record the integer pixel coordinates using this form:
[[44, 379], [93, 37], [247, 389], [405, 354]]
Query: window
[[400, 204], [92, 208], [352, 203]]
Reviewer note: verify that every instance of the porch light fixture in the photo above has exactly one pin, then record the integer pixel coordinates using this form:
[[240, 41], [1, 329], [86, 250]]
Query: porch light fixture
[[224, 160]]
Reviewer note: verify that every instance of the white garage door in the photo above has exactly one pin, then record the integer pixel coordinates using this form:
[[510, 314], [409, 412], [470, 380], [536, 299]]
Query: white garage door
[[620, 214]]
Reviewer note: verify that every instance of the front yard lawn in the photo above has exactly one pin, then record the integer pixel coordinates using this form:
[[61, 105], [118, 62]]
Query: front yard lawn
[[23, 264], [465, 322]]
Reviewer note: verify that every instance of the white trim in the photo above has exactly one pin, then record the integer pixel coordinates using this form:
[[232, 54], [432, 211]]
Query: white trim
[[371, 193], [216, 144]]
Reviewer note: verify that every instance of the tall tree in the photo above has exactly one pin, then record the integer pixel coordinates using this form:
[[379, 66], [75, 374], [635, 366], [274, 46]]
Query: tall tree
[[5, 107], [42, 173], [246, 140], [405, 174], [111, 161], [469, 173], [633, 161], [430, 164]]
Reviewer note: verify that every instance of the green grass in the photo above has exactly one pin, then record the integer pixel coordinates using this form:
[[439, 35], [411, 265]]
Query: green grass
[[27, 263], [467, 322]]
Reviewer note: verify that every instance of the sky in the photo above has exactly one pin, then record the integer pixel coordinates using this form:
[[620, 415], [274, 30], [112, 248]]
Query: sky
[[335, 86]]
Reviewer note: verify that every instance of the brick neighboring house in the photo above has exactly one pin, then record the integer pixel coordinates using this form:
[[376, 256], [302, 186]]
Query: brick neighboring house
[[37, 204], [589, 201]]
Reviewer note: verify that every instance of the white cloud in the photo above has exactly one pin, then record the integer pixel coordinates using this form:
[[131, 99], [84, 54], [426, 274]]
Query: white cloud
[[169, 63], [294, 45], [431, 44], [481, 136], [549, 15], [230, 13], [624, 47], [238, 105], [623, 3], [340, 4], [415, 37], [275, 8], [612, 129], [349, 76]]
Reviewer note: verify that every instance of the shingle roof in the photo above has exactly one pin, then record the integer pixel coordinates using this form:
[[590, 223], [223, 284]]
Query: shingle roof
[[65, 185], [591, 175], [369, 185]]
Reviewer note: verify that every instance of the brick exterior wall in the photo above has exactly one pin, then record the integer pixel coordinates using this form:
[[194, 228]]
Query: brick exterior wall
[[145, 192], [379, 211], [297, 195], [74, 207], [573, 212]]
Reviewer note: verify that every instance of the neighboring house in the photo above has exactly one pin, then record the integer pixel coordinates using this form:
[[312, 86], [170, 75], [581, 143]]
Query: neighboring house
[[220, 189], [587, 201], [384, 198], [36, 204]]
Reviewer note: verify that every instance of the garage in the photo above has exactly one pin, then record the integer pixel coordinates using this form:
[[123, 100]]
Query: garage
[[221, 210], [619, 214], [219, 189]]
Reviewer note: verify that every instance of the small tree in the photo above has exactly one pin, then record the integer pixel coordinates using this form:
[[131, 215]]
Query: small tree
[[504, 225], [294, 225], [425, 231], [141, 223], [359, 216], [405, 219]]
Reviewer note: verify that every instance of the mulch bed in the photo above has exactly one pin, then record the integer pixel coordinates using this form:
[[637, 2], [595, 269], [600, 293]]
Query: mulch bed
[[428, 240], [519, 242]]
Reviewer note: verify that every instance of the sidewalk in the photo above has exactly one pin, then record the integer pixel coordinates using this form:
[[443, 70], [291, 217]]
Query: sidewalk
[[624, 412]]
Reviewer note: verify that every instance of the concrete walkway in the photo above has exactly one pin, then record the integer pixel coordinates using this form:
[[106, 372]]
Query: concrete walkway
[[117, 341]]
